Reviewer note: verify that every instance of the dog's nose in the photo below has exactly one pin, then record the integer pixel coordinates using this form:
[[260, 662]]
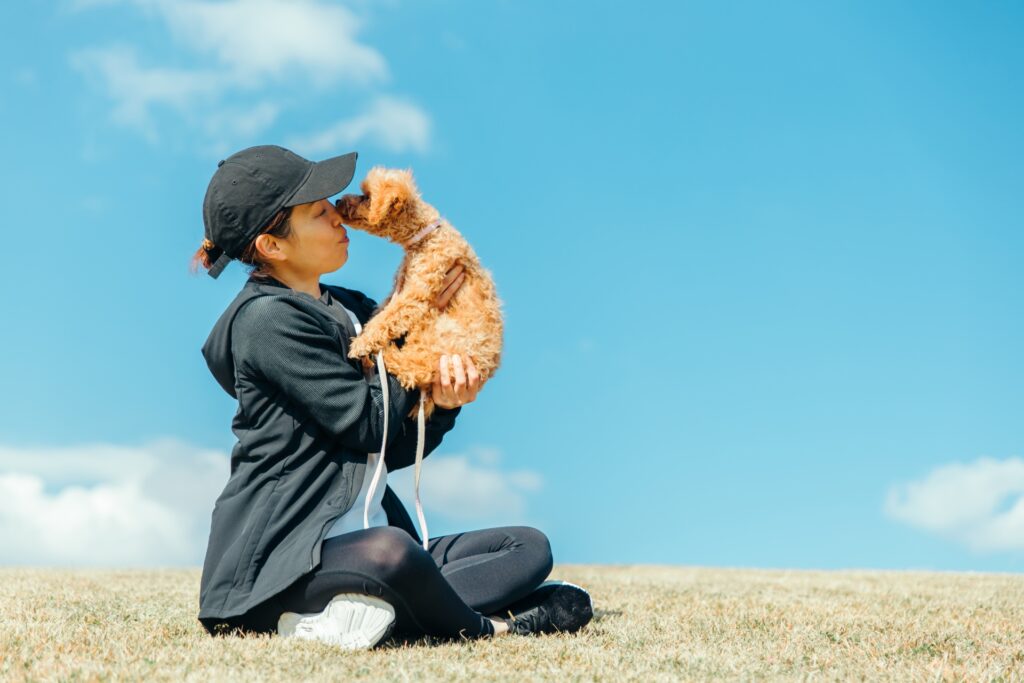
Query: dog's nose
[[339, 206], [346, 204]]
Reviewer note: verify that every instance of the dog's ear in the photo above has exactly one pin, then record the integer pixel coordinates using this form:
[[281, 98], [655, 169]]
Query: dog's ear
[[390, 193]]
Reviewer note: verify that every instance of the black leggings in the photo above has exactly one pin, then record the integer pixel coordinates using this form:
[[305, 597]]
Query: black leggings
[[445, 592]]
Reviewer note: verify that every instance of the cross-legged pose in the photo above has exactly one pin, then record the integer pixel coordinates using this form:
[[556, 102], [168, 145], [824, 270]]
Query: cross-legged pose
[[295, 547]]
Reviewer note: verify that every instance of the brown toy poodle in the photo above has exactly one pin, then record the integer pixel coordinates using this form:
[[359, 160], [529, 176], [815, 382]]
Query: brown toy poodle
[[471, 325]]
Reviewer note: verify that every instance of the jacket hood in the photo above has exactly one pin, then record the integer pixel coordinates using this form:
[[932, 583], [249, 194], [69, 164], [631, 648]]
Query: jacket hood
[[217, 348]]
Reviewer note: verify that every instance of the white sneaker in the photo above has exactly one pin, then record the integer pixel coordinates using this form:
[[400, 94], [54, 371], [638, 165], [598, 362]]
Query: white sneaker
[[350, 620]]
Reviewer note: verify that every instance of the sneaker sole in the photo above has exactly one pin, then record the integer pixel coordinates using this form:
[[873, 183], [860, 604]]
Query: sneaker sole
[[350, 621], [558, 582], [581, 589]]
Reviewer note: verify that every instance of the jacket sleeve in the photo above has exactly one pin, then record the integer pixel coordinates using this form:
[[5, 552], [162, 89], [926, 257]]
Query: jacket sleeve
[[277, 341], [402, 448]]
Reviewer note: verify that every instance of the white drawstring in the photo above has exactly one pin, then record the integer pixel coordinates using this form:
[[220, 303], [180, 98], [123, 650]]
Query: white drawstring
[[420, 443], [420, 439], [383, 443]]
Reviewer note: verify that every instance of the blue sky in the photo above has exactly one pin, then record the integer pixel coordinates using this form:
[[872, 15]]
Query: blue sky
[[761, 266]]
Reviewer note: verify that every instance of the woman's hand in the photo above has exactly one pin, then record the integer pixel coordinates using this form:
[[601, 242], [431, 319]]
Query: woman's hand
[[452, 281], [455, 386]]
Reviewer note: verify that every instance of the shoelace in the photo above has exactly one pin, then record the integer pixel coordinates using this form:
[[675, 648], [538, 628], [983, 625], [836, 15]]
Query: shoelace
[[420, 443], [528, 621]]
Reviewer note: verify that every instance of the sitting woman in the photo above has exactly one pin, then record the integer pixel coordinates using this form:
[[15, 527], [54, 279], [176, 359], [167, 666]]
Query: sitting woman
[[295, 547]]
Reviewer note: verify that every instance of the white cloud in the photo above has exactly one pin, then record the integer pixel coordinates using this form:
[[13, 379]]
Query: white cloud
[[247, 121], [255, 39], [468, 488], [108, 505], [248, 48], [393, 124], [980, 504], [150, 505], [252, 40], [135, 88]]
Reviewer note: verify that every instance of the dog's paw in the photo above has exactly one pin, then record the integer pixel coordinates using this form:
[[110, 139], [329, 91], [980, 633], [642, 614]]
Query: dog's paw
[[360, 347]]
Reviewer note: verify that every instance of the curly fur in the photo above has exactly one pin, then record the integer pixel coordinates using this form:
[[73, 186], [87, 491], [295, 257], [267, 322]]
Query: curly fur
[[471, 325]]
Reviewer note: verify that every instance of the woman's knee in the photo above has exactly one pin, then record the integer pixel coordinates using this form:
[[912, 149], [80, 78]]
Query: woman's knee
[[390, 552], [535, 543]]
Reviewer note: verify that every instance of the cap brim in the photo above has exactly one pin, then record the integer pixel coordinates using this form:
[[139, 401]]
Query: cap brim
[[327, 178]]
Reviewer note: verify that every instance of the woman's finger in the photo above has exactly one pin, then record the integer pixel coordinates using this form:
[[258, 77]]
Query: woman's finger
[[460, 375], [451, 276], [457, 282], [437, 394], [449, 291], [452, 273], [445, 378], [446, 294], [472, 374]]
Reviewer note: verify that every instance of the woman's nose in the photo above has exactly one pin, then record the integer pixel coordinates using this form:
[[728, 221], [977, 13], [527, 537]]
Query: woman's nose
[[335, 216]]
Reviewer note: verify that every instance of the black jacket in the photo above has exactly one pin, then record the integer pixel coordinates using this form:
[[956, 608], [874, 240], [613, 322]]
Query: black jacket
[[307, 416]]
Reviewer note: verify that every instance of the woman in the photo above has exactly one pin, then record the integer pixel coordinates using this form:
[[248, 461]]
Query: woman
[[290, 549]]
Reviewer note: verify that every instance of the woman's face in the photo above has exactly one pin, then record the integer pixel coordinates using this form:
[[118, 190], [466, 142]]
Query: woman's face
[[318, 242]]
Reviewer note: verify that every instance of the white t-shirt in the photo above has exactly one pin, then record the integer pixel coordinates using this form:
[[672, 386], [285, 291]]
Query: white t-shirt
[[353, 519]]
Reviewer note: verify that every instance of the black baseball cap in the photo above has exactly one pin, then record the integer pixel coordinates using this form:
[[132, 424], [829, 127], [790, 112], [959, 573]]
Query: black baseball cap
[[250, 186]]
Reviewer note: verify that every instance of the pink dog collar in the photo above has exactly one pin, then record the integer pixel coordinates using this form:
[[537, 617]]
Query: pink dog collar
[[424, 232]]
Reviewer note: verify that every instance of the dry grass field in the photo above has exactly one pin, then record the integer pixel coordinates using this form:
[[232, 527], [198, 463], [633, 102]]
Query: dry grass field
[[653, 623]]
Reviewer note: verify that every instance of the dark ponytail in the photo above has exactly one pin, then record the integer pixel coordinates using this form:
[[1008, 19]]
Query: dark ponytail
[[208, 252], [205, 255]]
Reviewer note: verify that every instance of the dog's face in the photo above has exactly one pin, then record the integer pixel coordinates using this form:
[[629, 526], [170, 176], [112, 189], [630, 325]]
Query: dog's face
[[389, 207]]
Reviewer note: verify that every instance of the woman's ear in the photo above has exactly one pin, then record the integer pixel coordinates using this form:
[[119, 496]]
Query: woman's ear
[[269, 247]]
